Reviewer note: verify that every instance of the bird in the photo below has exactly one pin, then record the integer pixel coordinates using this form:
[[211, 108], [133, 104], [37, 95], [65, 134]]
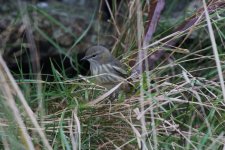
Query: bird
[[108, 71]]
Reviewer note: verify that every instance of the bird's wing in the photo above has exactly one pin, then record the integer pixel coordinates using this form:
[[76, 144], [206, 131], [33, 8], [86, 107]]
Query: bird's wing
[[118, 67]]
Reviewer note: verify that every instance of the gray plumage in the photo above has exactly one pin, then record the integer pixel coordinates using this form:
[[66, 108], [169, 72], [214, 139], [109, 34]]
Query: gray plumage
[[107, 69]]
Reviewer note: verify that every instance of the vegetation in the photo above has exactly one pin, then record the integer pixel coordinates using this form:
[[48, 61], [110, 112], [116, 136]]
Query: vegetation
[[179, 95]]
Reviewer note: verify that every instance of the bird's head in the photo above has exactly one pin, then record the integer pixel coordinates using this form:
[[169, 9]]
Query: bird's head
[[98, 54]]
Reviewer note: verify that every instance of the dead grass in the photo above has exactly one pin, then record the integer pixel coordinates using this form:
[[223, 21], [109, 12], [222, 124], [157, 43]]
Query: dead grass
[[178, 104]]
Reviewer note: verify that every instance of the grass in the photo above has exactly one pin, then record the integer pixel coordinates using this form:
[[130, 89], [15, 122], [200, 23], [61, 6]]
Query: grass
[[179, 104]]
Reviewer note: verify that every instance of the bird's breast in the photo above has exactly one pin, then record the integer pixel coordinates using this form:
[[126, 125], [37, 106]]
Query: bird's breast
[[104, 73]]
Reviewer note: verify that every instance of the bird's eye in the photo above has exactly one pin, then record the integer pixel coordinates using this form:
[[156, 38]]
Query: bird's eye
[[94, 55]]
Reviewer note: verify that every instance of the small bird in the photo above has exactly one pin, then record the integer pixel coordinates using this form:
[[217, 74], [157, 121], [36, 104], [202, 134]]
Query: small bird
[[107, 69]]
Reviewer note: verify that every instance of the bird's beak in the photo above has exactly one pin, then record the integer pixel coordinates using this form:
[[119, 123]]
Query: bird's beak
[[86, 58]]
